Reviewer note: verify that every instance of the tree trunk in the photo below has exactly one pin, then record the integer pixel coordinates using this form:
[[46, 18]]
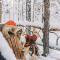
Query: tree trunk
[[46, 27]]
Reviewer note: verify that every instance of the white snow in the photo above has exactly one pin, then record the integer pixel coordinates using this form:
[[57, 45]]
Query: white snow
[[8, 53], [53, 55], [5, 49], [54, 23]]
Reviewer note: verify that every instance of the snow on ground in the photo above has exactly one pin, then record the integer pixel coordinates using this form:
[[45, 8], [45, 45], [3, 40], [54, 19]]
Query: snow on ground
[[53, 55], [8, 53]]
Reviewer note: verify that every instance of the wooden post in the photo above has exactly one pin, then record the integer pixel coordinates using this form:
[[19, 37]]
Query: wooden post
[[28, 13], [0, 10], [46, 28]]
